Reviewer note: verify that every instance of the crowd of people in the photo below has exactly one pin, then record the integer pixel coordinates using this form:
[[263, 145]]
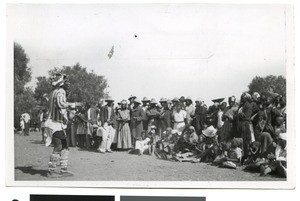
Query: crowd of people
[[229, 133]]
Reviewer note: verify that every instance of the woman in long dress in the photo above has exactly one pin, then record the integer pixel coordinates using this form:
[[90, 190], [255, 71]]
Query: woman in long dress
[[123, 130]]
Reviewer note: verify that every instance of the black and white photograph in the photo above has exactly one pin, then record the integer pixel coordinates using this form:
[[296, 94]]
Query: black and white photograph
[[150, 95]]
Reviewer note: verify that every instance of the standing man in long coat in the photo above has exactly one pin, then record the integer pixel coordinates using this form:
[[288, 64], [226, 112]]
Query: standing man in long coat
[[200, 116], [153, 115], [136, 124], [165, 116], [145, 105]]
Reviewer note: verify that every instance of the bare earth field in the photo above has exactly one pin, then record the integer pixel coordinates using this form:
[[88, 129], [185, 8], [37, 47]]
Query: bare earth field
[[31, 163]]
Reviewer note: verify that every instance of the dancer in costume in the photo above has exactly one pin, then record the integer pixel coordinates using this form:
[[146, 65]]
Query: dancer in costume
[[56, 124]]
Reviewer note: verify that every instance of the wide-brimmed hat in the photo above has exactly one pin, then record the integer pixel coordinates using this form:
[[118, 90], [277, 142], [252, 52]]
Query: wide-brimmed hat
[[58, 79], [124, 102], [153, 101], [198, 100], [136, 100], [145, 99], [163, 100], [282, 136], [153, 127], [175, 99], [188, 99], [109, 99], [131, 96], [218, 100], [210, 132]]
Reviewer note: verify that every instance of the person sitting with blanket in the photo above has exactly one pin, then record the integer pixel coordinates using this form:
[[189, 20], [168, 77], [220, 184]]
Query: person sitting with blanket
[[231, 155], [277, 161], [208, 146], [188, 140]]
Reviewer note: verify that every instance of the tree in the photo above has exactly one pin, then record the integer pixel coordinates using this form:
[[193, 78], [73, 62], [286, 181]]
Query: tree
[[85, 86], [22, 73], [263, 84], [23, 96], [43, 87]]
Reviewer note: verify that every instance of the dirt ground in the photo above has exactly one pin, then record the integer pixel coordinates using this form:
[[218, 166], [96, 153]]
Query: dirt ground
[[31, 163]]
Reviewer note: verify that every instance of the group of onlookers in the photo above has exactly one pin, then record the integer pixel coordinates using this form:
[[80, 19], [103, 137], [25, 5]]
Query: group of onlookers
[[250, 132]]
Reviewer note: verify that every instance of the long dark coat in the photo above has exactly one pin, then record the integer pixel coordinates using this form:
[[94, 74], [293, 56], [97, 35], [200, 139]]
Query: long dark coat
[[165, 120], [136, 123]]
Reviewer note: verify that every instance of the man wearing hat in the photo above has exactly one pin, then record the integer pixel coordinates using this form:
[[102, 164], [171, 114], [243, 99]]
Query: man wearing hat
[[107, 120], [145, 105], [131, 103], [213, 111], [182, 101], [200, 116], [165, 115], [56, 124], [107, 113], [152, 114], [175, 101], [190, 110], [136, 120]]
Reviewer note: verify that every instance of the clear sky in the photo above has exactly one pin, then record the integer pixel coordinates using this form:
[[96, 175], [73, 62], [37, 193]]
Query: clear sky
[[199, 50]]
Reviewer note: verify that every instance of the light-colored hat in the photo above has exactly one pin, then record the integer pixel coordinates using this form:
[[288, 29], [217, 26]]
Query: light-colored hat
[[145, 99], [136, 100], [163, 100], [174, 131], [169, 101], [109, 99], [153, 127], [124, 102], [188, 98], [153, 101], [198, 100], [282, 136], [210, 132], [131, 96]]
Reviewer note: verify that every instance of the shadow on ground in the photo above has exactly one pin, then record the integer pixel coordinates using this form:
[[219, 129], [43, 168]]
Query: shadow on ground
[[30, 170], [36, 142]]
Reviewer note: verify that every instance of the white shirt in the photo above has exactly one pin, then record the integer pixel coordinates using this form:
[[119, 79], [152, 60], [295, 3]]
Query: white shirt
[[280, 153], [179, 116]]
